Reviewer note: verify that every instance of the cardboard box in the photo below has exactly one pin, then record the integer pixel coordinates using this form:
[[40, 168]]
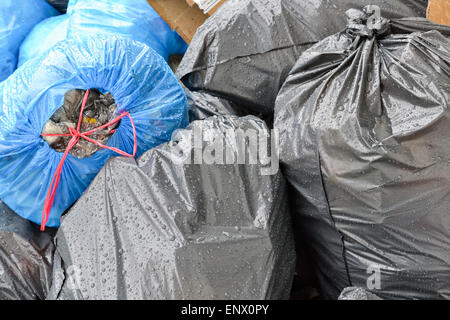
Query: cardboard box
[[439, 11], [185, 16]]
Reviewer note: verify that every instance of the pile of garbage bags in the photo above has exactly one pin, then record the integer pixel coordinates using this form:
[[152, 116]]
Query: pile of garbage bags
[[363, 119], [246, 50], [141, 83], [160, 228], [350, 187]]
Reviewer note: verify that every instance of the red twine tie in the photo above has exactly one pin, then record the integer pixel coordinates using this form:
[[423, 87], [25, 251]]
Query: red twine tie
[[76, 136]]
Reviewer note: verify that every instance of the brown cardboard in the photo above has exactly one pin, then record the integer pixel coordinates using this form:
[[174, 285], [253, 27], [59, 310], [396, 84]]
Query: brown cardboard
[[439, 11], [184, 16]]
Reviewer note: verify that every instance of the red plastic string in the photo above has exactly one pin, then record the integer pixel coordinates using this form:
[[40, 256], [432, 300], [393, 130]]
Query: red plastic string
[[76, 136]]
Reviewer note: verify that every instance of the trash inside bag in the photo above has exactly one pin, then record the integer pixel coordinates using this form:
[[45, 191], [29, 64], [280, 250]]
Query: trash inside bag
[[17, 18], [131, 19], [245, 51], [140, 82], [26, 258], [99, 110], [363, 120], [162, 228], [60, 5]]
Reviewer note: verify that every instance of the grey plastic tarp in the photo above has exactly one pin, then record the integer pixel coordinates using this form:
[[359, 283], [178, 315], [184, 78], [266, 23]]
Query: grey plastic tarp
[[364, 132], [245, 51], [155, 228], [26, 257]]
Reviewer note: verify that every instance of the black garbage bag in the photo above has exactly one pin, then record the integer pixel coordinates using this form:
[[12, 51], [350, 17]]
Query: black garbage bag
[[203, 105], [246, 50], [60, 5], [162, 228], [364, 132], [26, 257]]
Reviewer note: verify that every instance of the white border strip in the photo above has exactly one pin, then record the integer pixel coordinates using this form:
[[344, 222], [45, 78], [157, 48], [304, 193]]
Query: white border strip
[[206, 5]]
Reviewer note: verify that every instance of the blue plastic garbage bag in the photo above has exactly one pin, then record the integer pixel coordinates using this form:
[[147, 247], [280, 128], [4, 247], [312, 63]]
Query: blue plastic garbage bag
[[132, 19], [141, 83], [43, 37], [17, 18]]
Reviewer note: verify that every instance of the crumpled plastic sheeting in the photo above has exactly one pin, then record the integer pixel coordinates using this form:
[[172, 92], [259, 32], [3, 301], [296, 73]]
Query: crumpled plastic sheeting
[[352, 293], [245, 51], [141, 83], [17, 18], [363, 120], [26, 258], [157, 229]]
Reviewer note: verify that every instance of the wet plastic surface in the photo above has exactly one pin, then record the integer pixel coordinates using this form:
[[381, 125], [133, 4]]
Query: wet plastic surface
[[363, 120], [203, 105], [245, 51], [131, 19], [141, 83], [156, 228], [43, 37], [17, 18], [26, 258]]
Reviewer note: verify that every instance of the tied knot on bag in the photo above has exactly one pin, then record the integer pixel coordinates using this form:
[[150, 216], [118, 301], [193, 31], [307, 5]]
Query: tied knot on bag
[[74, 132], [76, 135], [367, 23]]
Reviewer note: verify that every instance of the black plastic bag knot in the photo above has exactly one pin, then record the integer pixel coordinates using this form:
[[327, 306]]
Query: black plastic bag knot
[[366, 23]]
